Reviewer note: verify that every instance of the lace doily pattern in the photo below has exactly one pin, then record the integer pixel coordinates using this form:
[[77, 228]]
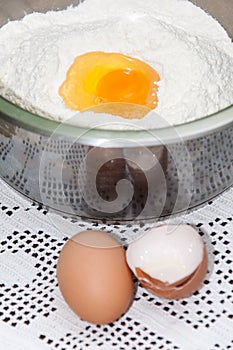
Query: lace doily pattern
[[33, 314]]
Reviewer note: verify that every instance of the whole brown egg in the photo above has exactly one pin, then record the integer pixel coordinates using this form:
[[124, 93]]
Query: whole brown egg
[[94, 277]]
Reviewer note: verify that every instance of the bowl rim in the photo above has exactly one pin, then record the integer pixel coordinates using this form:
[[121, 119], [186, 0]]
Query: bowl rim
[[117, 138]]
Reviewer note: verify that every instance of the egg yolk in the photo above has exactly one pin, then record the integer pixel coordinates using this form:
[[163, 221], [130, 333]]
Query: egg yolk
[[97, 78]]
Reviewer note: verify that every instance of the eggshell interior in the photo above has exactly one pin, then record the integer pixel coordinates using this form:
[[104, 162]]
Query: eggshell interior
[[181, 289], [167, 253]]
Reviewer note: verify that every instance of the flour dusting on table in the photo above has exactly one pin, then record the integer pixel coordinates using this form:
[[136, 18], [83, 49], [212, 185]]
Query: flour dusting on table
[[191, 51]]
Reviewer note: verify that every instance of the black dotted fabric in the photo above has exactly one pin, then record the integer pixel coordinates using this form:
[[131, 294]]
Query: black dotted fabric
[[33, 314]]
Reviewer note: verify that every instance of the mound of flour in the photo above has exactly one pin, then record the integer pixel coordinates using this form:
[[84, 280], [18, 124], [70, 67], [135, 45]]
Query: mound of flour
[[191, 51]]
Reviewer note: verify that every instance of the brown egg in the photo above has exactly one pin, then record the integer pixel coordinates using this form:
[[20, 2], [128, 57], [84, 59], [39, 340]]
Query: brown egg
[[94, 277], [170, 261]]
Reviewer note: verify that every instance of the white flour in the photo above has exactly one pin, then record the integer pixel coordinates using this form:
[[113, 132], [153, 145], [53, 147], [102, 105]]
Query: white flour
[[190, 50]]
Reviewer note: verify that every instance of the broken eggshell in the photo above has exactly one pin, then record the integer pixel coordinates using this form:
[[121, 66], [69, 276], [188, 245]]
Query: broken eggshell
[[170, 261]]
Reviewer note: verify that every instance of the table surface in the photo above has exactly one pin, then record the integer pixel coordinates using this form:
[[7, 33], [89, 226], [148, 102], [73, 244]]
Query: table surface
[[33, 314]]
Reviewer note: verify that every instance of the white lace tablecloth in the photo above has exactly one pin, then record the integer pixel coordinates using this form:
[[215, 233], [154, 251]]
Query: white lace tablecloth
[[33, 314]]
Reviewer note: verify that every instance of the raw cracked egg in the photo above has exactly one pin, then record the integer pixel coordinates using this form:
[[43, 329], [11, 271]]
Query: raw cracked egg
[[94, 277], [102, 78], [170, 261]]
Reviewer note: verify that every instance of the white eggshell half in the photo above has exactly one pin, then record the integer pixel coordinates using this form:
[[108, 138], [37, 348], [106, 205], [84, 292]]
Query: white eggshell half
[[168, 253]]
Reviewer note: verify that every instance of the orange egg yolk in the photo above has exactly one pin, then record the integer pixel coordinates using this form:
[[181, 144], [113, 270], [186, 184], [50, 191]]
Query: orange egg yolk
[[98, 78]]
